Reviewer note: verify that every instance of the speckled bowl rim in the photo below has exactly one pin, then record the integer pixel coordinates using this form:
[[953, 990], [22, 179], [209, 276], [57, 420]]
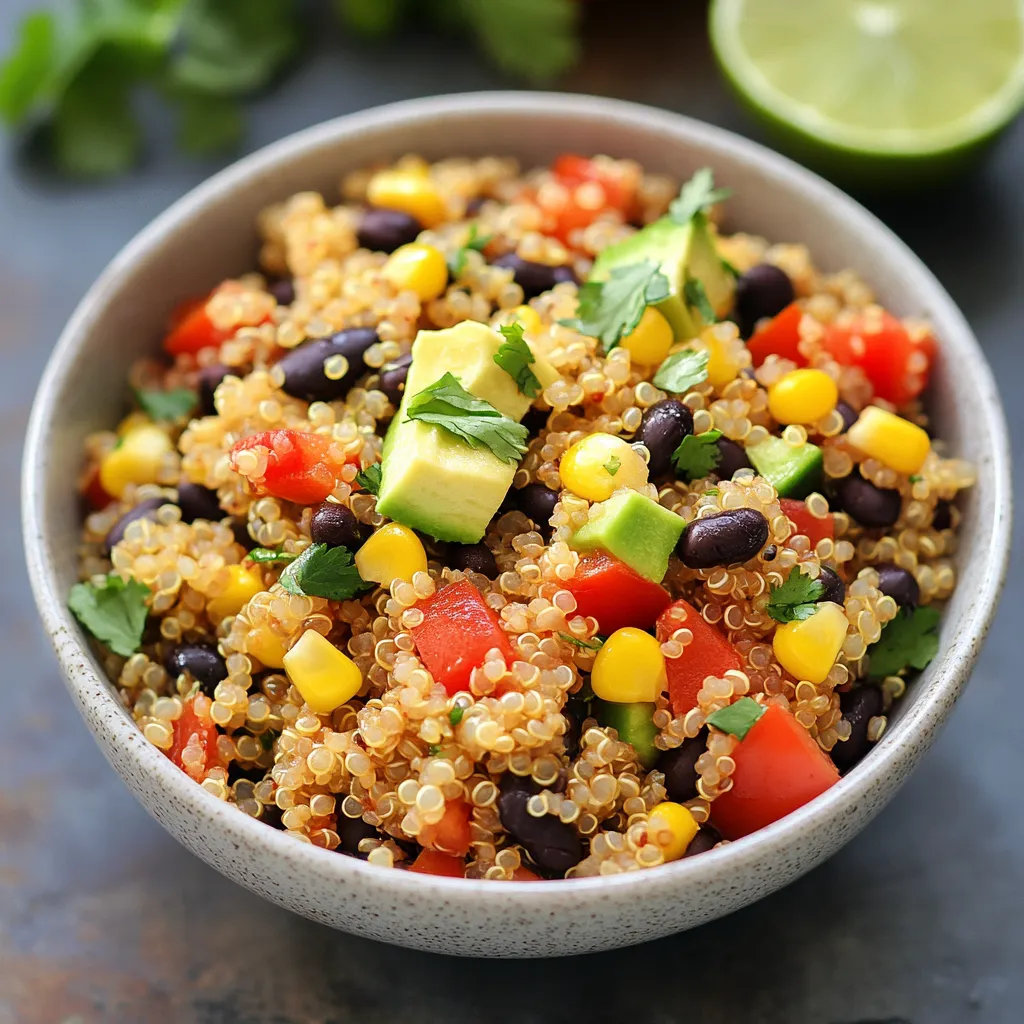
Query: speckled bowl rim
[[896, 752]]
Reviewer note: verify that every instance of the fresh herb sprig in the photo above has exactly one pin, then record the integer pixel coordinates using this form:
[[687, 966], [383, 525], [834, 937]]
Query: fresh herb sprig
[[697, 455], [683, 370], [475, 242], [909, 641], [697, 297], [514, 356], [322, 571], [796, 598], [167, 406], [268, 556], [697, 197], [584, 645], [114, 611], [369, 478], [737, 718]]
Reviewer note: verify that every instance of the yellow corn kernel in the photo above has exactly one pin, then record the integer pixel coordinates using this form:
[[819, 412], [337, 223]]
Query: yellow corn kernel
[[412, 191], [243, 585], [131, 422], [136, 460], [650, 340], [394, 552], [802, 396], [418, 268], [722, 368], [808, 649], [599, 465], [894, 441], [323, 675], [529, 318], [671, 827], [629, 668], [268, 647]]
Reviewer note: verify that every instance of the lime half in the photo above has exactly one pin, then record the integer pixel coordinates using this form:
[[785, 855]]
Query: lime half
[[875, 87]]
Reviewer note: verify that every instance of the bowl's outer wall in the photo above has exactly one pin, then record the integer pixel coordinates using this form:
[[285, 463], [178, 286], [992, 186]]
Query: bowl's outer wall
[[210, 235]]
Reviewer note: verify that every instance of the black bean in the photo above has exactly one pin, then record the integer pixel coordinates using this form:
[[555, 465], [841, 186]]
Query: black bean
[[336, 526], [240, 528], [731, 458], [706, 839], [535, 420], [680, 767], [849, 414], [201, 661], [835, 589], [251, 773], [303, 367], [553, 845], [762, 291], [474, 205], [867, 504], [393, 376], [899, 584], [724, 538], [942, 517], [859, 706], [574, 714], [387, 230], [283, 291], [198, 502], [144, 510], [271, 815], [351, 832], [533, 278], [209, 378], [662, 429], [536, 502], [475, 557], [769, 553]]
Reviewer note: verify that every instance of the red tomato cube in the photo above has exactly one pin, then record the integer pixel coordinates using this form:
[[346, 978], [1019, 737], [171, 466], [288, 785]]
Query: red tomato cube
[[614, 594]]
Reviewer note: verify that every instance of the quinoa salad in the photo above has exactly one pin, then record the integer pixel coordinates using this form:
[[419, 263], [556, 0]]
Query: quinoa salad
[[520, 524]]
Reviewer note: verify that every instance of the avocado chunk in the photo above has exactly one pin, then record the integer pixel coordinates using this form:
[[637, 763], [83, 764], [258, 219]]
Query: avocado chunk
[[682, 252], [635, 725], [431, 480], [633, 528], [793, 472]]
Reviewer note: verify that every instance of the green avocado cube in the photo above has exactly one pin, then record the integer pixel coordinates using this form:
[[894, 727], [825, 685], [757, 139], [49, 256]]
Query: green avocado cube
[[635, 725], [633, 528], [793, 471]]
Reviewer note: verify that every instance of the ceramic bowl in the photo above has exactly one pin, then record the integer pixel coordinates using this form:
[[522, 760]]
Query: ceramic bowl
[[209, 235]]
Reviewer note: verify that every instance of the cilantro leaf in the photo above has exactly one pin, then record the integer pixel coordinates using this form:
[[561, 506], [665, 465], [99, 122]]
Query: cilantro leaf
[[610, 309], [114, 612], [514, 357], [908, 641], [455, 715], [448, 405], [321, 571], [587, 645], [737, 718], [697, 297], [28, 70], [795, 599], [474, 241], [167, 406], [697, 455], [729, 267], [683, 370], [696, 197], [261, 555], [369, 478], [612, 465]]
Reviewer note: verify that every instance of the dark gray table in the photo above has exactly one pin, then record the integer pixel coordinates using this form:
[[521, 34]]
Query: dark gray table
[[103, 917]]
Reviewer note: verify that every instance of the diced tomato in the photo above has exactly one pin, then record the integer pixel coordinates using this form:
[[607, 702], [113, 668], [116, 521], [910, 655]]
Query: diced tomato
[[430, 862], [779, 337], [574, 170], [708, 654], [522, 874], [93, 493], [451, 834], [302, 467], [779, 768], [192, 330], [195, 733], [811, 526], [457, 631], [567, 214], [615, 595], [883, 348]]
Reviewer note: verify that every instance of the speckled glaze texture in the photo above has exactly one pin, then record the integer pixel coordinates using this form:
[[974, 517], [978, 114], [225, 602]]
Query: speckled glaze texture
[[209, 235]]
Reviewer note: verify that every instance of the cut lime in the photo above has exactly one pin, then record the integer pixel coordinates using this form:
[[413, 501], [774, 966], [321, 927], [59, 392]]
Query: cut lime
[[872, 88]]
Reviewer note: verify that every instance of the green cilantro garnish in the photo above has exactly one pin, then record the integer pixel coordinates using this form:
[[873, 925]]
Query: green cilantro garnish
[[269, 555], [267, 739], [729, 267], [321, 571], [447, 404], [474, 241], [711, 490], [587, 645], [369, 478], [610, 309], [533, 38], [737, 718], [697, 455], [795, 599], [915, 478], [908, 641], [697, 297], [696, 197], [167, 406], [612, 465], [455, 715], [434, 749], [114, 611], [683, 370], [514, 356]]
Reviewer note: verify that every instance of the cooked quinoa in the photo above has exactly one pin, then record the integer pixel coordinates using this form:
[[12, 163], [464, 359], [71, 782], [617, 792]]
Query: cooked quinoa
[[592, 735]]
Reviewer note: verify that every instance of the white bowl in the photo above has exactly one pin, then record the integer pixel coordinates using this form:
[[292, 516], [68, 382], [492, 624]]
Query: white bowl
[[210, 235]]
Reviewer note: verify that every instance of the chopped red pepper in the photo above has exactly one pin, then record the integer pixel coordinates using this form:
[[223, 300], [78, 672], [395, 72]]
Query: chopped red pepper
[[192, 330], [301, 466], [708, 654], [810, 526], [195, 738], [430, 862], [567, 214], [457, 631], [451, 834], [611, 592], [779, 337], [779, 768]]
